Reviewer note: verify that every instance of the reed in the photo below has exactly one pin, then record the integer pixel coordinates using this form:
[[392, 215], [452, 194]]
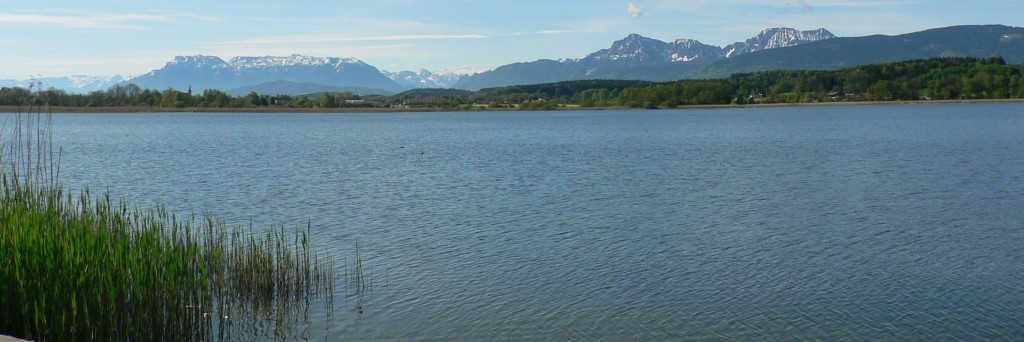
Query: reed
[[88, 268]]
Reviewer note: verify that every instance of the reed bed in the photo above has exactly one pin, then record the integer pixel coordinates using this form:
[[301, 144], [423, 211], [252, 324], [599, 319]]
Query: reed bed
[[83, 267]]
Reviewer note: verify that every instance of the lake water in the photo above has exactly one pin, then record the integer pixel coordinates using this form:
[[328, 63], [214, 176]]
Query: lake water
[[819, 223]]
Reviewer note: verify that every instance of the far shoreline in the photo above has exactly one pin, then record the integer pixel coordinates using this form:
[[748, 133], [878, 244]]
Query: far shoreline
[[144, 110]]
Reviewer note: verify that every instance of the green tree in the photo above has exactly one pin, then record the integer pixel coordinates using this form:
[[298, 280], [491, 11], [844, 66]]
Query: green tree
[[169, 99], [253, 99], [328, 101]]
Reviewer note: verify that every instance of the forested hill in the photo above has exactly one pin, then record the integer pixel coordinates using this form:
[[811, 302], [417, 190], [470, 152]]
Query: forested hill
[[925, 79]]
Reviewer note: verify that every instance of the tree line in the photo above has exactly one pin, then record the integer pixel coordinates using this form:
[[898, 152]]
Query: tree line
[[926, 79], [131, 95]]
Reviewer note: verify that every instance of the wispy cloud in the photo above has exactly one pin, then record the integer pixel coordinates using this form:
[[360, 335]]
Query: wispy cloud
[[541, 32], [806, 7], [341, 38], [553, 31], [98, 20], [634, 10], [327, 38], [70, 21]]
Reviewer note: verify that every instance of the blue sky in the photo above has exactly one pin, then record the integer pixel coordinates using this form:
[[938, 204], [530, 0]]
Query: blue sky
[[102, 38]]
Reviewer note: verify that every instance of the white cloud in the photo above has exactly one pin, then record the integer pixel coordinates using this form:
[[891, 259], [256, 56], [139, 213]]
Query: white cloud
[[634, 10]]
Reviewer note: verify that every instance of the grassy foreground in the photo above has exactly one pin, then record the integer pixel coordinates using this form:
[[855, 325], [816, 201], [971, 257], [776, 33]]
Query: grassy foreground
[[78, 267]]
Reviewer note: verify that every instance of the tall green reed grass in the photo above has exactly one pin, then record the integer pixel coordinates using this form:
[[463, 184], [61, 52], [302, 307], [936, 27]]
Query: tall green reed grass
[[84, 267]]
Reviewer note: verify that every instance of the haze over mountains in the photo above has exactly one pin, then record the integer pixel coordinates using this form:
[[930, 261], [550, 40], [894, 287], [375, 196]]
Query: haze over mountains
[[74, 84], [634, 58]]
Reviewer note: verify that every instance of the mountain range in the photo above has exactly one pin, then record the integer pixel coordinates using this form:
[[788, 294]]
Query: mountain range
[[635, 57], [425, 79], [638, 58], [209, 72]]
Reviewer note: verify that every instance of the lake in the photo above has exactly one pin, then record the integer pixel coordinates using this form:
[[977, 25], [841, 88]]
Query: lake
[[826, 223]]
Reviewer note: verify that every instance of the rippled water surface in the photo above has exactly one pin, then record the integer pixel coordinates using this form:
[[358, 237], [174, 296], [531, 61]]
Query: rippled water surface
[[831, 223]]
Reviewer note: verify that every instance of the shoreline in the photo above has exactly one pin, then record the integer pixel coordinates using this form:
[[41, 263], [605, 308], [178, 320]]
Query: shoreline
[[142, 110], [858, 103]]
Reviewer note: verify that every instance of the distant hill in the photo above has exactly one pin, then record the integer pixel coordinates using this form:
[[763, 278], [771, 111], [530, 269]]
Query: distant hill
[[304, 88], [434, 92], [838, 53], [541, 71], [564, 88]]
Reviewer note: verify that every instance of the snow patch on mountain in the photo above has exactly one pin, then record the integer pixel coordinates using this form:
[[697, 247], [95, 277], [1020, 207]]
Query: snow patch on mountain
[[198, 61], [288, 61]]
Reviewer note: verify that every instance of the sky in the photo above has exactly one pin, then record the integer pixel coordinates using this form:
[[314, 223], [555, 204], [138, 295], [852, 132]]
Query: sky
[[106, 37]]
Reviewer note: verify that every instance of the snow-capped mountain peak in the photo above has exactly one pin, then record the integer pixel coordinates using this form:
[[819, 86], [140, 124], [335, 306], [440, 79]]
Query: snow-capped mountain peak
[[423, 78], [636, 46], [774, 38], [637, 50], [205, 72]]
